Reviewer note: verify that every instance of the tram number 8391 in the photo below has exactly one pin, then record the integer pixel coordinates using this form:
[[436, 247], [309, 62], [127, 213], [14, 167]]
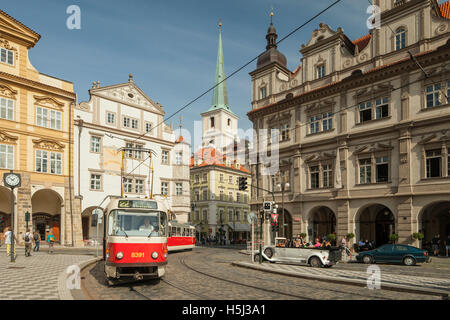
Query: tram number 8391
[[137, 254]]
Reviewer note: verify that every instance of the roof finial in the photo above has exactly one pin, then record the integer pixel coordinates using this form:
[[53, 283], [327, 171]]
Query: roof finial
[[271, 13], [220, 23], [130, 77], [181, 120]]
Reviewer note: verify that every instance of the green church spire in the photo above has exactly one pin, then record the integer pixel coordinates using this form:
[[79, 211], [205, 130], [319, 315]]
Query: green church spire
[[220, 95]]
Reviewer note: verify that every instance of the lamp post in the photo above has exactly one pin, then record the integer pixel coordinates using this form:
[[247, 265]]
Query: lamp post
[[283, 186]]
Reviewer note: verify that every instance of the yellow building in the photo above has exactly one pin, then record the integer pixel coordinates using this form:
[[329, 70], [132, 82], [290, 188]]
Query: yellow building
[[219, 208], [36, 139]]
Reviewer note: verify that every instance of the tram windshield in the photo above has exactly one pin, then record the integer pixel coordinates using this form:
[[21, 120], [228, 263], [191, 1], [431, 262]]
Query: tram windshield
[[137, 223]]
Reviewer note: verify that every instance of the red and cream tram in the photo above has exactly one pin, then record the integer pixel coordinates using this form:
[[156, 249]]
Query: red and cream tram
[[135, 239], [181, 236]]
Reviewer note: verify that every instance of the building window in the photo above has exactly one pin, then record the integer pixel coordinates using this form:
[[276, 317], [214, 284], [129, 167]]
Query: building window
[[400, 39], [6, 109], [139, 186], [165, 157], [205, 177], [314, 125], [230, 179], [263, 92], [221, 178], [327, 173], [126, 122], [320, 71], [95, 144], [110, 118], [238, 216], [197, 178], [205, 194], [131, 152], [48, 118], [165, 188], [212, 122], [381, 108], [432, 95], [42, 162], [7, 56], [245, 198], [230, 196], [238, 197], [96, 182], [365, 171], [179, 158], [6, 156], [314, 174], [230, 215], [365, 112], [134, 124], [127, 185], [284, 132], [197, 215], [205, 215], [434, 163], [327, 121], [229, 122], [148, 127], [179, 189], [197, 195], [382, 169], [222, 196]]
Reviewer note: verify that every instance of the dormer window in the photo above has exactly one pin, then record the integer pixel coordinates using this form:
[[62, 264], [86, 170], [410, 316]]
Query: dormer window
[[400, 39], [7, 56], [320, 71]]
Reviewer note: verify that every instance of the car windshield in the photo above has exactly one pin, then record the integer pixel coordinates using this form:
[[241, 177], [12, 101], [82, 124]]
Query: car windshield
[[137, 223]]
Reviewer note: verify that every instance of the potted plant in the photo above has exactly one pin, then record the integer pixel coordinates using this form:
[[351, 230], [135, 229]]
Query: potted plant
[[393, 237], [417, 235]]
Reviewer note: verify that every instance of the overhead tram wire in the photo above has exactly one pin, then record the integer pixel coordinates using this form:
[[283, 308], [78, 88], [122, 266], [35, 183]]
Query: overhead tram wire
[[230, 75]]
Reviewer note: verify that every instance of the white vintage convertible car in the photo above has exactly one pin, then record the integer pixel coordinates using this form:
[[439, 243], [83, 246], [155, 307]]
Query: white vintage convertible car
[[315, 257]]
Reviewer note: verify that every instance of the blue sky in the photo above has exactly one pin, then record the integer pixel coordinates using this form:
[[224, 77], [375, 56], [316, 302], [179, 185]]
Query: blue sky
[[170, 46]]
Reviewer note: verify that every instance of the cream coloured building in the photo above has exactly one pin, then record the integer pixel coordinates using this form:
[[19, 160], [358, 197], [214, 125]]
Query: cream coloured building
[[364, 133], [36, 140]]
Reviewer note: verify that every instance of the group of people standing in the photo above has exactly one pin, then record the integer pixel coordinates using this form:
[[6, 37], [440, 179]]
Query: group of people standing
[[29, 239]]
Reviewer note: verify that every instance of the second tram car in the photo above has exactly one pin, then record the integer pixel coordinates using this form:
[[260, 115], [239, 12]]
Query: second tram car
[[135, 239], [181, 236]]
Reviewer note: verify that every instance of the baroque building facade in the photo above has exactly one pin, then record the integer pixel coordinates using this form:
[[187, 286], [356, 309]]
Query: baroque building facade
[[123, 116], [364, 134], [36, 140]]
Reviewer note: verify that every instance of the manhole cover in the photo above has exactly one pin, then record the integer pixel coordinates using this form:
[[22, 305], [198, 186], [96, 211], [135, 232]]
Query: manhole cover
[[15, 268]]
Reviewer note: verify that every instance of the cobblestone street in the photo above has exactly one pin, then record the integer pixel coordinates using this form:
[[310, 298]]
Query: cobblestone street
[[35, 277], [206, 273]]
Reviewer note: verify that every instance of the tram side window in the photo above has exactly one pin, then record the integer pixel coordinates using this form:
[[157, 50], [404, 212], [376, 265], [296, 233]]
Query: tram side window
[[173, 232], [178, 231]]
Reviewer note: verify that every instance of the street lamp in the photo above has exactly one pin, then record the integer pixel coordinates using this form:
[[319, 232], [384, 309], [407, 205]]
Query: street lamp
[[283, 186]]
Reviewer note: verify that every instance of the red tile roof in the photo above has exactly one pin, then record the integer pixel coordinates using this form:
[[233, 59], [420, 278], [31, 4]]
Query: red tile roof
[[180, 139], [209, 156], [445, 9], [362, 42]]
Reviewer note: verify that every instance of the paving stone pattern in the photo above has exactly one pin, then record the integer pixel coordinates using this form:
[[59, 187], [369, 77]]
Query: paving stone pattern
[[34, 277]]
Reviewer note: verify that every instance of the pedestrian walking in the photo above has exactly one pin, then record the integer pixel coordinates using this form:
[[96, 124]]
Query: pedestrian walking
[[28, 238], [447, 245], [37, 241], [435, 243], [8, 237], [51, 241]]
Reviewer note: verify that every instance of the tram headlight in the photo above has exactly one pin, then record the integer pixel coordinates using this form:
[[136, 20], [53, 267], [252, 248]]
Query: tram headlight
[[155, 255], [119, 255]]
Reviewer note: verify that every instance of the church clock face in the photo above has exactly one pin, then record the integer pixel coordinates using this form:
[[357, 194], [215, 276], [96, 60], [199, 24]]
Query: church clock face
[[12, 180]]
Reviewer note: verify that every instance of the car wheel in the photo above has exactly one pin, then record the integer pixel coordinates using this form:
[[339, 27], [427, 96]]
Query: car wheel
[[256, 257], [315, 262], [409, 261], [367, 259], [268, 252]]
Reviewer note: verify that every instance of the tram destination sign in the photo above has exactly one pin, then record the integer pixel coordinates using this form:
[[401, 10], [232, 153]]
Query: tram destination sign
[[138, 204]]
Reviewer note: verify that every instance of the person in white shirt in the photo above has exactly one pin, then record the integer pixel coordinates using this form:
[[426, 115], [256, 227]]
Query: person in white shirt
[[8, 237], [28, 238], [146, 226]]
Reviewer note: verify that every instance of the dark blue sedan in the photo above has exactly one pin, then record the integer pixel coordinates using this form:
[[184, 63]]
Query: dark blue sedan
[[394, 253]]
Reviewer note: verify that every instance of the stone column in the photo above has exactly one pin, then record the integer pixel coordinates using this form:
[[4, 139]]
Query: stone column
[[404, 220], [342, 220], [23, 204]]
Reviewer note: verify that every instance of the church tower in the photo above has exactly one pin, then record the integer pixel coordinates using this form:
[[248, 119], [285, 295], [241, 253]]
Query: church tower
[[220, 124]]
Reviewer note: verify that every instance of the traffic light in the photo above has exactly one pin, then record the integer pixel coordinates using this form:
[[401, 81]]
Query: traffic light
[[275, 227], [2, 220], [94, 220], [242, 183]]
